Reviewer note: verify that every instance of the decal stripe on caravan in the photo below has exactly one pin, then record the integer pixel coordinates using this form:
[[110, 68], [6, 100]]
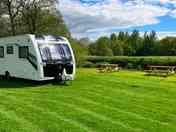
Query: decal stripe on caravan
[[32, 59]]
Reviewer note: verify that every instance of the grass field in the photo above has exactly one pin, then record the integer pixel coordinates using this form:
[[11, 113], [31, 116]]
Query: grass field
[[94, 102]]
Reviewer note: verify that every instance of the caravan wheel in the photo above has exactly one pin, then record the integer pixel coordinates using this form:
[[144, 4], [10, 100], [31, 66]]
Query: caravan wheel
[[58, 79], [7, 75]]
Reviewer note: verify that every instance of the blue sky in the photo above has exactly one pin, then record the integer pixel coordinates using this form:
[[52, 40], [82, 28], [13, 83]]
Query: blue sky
[[94, 18]]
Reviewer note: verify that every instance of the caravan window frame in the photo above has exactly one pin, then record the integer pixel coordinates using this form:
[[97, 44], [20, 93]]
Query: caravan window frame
[[20, 52], [9, 50], [2, 55]]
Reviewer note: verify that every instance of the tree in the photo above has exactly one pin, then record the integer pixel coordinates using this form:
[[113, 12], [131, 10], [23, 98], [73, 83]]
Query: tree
[[92, 49], [116, 45], [127, 49], [85, 41], [103, 47], [11, 8], [52, 24], [80, 51], [117, 48], [149, 44], [4, 27], [167, 47], [2, 8], [113, 39], [34, 11], [121, 36], [31, 16], [135, 42], [124, 38]]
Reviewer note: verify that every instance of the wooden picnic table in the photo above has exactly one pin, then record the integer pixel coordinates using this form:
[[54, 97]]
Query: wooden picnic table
[[164, 70], [108, 68]]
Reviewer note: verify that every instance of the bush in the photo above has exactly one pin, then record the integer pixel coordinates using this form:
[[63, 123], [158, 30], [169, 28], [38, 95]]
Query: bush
[[130, 66], [88, 64], [79, 52], [133, 62]]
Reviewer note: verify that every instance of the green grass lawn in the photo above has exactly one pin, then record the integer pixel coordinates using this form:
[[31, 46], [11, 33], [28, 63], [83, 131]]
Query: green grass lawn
[[126, 101]]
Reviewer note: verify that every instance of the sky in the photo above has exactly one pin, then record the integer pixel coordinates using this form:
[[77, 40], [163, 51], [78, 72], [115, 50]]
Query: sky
[[95, 18]]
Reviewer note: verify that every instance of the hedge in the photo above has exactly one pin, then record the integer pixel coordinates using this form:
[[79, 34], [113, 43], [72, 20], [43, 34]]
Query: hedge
[[130, 62]]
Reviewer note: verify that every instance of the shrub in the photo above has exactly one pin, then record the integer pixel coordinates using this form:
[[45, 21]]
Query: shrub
[[88, 64], [133, 62]]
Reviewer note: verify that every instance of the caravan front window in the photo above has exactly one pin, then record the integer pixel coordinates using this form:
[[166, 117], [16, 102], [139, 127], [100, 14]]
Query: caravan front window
[[55, 52]]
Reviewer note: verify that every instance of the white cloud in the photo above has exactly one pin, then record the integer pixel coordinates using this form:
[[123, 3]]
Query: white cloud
[[173, 13], [85, 19], [166, 34]]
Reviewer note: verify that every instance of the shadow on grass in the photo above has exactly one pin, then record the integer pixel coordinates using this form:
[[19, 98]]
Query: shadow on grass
[[22, 83], [157, 75]]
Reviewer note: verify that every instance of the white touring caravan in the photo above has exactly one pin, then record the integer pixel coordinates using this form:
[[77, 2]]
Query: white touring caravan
[[37, 57]]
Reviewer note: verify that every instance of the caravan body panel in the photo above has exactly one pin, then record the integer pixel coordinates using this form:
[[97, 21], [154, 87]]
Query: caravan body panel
[[21, 57]]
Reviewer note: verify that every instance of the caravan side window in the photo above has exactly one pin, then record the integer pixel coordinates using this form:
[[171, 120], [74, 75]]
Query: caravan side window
[[9, 49], [1, 52], [23, 51]]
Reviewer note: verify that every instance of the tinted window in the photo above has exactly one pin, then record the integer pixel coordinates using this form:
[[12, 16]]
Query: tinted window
[[23, 52], [9, 49], [1, 52], [55, 52]]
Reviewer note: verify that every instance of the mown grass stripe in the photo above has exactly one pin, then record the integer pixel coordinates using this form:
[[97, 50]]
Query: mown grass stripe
[[144, 117], [86, 111], [141, 108], [97, 115], [135, 105], [54, 114], [131, 113], [70, 121], [82, 99], [136, 97], [130, 80], [116, 109], [148, 91], [122, 111], [24, 124]]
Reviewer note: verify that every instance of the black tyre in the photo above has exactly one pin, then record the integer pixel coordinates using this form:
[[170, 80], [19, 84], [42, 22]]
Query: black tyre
[[59, 80]]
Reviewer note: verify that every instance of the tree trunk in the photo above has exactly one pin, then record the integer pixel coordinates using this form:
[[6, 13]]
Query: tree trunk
[[12, 24], [12, 20]]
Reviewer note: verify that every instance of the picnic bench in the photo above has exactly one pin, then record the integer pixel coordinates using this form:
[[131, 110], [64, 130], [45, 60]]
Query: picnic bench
[[108, 68], [160, 70]]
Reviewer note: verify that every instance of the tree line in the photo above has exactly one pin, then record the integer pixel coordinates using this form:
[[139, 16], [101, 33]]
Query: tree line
[[133, 44], [31, 16]]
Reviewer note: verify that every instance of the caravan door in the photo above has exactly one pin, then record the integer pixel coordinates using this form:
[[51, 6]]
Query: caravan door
[[9, 59]]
